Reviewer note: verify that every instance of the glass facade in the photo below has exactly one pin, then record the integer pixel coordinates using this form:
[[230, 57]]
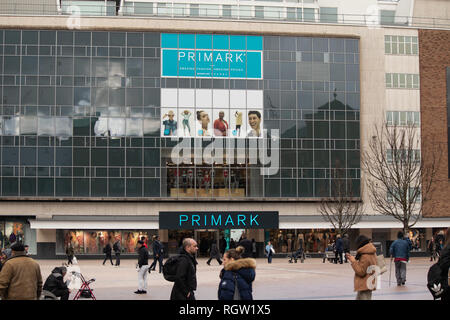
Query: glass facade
[[59, 88]]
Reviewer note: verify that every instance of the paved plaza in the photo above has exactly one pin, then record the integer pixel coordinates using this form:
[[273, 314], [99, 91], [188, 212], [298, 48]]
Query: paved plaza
[[311, 280]]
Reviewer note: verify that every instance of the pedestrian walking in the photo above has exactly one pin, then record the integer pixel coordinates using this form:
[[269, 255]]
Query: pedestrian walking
[[158, 253], [365, 280], [186, 277], [143, 268], [70, 253], [237, 276], [21, 277], [432, 249], [247, 244], [117, 247], [399, 250], [346, 246], [214, 254], [254, 252], [269, 251], [339, 249], [107, 251], [55, 286]]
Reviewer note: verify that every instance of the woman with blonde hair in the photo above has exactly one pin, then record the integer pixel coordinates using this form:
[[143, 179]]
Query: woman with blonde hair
[[237, 276]]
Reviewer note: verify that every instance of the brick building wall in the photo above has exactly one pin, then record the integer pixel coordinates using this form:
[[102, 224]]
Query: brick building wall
[[434, 58]]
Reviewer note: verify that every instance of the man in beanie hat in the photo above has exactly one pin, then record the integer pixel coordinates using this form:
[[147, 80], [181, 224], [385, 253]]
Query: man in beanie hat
[[20, 278]]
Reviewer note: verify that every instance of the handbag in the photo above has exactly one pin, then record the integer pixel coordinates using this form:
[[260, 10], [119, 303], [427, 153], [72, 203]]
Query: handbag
[[381, 264], [272, 249], [236, 295]]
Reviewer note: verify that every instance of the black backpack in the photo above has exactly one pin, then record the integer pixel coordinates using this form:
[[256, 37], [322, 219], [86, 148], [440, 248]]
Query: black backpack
[[435, 283], [115, 247], [170, 267]]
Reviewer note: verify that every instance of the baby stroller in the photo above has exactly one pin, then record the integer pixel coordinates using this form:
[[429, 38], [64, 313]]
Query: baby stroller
[[84, 291]]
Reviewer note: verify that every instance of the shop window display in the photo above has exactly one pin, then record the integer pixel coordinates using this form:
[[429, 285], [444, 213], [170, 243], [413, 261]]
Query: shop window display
[[11, 232], [93, 242], [313, 240]]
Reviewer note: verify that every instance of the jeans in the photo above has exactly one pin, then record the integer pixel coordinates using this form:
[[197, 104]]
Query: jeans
[[142, 277], [117, 258], [155, 260], [269, 258], [108, 256], [400, 271]]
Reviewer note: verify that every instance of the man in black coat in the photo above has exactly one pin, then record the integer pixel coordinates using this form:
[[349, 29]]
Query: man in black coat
[[346, 245], [107, 251], [247, 244], [143, 268], [56, 285], [186, 278], [158, 254]]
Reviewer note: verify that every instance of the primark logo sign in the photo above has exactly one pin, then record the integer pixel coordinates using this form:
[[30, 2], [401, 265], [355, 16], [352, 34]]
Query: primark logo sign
[[219, 220], [211, 56]]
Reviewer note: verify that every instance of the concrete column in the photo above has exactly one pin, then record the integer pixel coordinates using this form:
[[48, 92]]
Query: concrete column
[[46, 243], [163, 235]]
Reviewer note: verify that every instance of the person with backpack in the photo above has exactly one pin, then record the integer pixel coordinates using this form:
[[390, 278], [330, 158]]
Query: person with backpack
[[399, 250], [107, 251], [158, 254], [117, 248], [237, 276], [143, 269], [365, 257], [184, 272], [438, 276]]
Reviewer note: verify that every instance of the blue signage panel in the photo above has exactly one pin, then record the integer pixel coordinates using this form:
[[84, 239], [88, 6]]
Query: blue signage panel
[[219, 220], [211, 56]]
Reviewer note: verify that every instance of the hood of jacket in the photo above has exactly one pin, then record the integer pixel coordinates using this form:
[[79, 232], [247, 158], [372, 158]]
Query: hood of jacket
[[367, 249], [57, 272], [241, 264]]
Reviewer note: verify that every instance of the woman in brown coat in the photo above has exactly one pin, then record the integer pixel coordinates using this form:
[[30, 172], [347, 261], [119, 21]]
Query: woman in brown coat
[[364, 265]]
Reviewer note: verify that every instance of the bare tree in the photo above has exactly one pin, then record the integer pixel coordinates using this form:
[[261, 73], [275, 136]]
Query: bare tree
[[398, 182], [343, 208]]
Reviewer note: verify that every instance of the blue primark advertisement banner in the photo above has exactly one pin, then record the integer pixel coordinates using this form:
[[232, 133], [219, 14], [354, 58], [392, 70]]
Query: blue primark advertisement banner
[[211, 56], [218, 220]]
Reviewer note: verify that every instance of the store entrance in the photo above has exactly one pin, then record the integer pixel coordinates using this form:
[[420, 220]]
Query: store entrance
[[204, 239]]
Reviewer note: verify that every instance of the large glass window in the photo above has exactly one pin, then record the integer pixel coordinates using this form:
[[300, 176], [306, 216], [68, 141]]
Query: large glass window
[[87, 121], [93, 241]]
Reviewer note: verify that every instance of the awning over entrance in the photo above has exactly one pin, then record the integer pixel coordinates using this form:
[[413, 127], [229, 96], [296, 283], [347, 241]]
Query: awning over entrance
[[367, 222], [97, 223]]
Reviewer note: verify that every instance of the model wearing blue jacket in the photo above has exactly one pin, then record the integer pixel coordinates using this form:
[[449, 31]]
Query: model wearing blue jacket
[[244, 271]]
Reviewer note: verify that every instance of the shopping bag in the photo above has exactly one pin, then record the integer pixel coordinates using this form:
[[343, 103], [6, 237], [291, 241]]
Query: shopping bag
[[75, 260]]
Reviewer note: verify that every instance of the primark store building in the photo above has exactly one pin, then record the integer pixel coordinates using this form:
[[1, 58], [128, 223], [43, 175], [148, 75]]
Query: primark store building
[[122, 120]]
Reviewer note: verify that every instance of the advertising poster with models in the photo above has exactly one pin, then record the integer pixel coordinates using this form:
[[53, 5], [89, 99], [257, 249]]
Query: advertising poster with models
[[211, 112]]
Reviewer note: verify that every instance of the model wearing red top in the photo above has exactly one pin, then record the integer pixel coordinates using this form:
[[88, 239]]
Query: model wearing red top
[[220, 125]]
